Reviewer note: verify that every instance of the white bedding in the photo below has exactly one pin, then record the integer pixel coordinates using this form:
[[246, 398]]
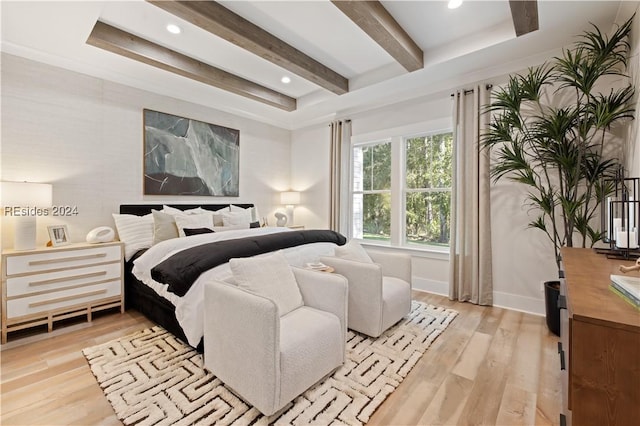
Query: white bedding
[[190, 307]]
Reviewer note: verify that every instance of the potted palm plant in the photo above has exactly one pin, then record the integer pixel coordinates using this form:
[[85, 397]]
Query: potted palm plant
[[551, 131]]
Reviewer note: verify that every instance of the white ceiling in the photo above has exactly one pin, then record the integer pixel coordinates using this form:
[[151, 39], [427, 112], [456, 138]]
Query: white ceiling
[[460, 46]]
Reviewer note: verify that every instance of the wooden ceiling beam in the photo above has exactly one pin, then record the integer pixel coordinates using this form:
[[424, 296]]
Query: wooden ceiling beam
[[377, 22], [524, 14], [222, 22], [123, 43]]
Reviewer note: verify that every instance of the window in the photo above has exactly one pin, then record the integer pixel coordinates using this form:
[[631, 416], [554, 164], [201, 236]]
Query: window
[[372, 191], [428, 189], [401, 190]]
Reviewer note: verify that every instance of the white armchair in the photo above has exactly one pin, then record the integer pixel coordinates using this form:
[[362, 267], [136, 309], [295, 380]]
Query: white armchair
[[269, 360], [379, 292]]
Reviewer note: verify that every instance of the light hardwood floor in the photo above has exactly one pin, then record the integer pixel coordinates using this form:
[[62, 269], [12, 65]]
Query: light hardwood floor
[[490, 367]]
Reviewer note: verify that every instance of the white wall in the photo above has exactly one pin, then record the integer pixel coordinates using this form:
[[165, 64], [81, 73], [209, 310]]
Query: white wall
[[310, 175], [85, 136]]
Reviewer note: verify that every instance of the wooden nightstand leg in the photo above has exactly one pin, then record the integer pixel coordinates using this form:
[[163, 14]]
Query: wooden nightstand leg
[[89, 314], [4, 335], [50, 323]]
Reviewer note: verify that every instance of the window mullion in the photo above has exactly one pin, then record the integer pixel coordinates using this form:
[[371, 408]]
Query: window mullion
[[397, 196]]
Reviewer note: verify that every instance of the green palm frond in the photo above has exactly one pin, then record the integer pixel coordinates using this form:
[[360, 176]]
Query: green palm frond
[[610, 52], [609, 109], [534, 81]]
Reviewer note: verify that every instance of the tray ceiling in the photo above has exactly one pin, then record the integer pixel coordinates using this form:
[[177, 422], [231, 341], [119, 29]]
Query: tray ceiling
[[475, 41]]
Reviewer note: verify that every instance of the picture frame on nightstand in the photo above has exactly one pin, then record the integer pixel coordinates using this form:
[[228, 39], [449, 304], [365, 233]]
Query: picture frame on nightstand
[[59, 235]]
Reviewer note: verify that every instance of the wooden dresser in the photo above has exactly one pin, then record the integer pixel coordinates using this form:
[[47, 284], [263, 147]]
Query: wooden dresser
[[52, 283], [600, 344]]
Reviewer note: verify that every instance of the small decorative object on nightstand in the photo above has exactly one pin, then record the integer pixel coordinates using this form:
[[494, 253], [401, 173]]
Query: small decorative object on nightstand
[[281, 219], [59, 235], [49, 284], [101, 234]]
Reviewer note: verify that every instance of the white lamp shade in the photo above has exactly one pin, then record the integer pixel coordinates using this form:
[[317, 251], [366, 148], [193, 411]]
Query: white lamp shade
[[26, 194], [290, 198]]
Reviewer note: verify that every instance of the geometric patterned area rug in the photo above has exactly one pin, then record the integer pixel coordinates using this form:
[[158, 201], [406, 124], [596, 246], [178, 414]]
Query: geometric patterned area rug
[[152, 378]]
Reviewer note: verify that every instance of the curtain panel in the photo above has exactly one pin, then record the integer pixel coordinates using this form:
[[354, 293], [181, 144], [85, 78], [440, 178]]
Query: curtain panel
[[470, 272], [340, 144]]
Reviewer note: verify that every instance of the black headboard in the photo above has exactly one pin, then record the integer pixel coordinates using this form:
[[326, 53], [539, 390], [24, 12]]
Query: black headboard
[[142, 209]]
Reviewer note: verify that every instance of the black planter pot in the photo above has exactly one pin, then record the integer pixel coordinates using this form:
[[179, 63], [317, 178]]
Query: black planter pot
[[551, 293]]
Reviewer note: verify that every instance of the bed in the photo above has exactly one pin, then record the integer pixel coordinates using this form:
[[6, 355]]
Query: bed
[[182, 315]]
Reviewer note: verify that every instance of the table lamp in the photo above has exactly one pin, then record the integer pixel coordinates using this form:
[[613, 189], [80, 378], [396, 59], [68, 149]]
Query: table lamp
[[290, 199], [25, 201]]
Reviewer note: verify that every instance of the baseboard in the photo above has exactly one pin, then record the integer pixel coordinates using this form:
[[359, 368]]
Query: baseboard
[[510, 301], [431, 286], [519, 303]]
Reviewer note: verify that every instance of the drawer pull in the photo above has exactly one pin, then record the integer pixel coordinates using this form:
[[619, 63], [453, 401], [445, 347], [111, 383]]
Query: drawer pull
[[562, 302], [64, 279], [67, 259], [563, 420], [67, 298], [561, 273]]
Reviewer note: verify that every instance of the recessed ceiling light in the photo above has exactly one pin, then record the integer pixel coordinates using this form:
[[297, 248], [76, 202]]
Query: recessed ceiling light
[[285, 79], [173, 29], [454, 4]]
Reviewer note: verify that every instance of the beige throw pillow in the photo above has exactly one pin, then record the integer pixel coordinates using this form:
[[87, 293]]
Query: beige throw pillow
[[269, 276], [353, 251], [164, 226]]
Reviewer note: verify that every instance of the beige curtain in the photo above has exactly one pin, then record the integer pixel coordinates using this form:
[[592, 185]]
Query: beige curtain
[[339, 185], [470, 276]]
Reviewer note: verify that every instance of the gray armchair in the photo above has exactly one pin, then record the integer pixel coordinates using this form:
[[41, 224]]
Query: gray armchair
[[269, 360], [379, 292]]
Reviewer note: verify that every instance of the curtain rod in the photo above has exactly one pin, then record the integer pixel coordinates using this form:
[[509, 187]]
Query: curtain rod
[[348, 120], [467, 91]]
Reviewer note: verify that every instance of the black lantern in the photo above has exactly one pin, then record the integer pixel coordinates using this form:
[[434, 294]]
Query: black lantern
[[620, 216]]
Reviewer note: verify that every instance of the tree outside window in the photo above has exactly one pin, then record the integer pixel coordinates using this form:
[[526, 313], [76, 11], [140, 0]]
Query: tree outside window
[[372, 191], [428, 189]]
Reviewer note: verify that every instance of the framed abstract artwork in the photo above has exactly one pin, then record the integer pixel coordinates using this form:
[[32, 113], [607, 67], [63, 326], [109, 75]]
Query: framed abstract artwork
[[189, 157]]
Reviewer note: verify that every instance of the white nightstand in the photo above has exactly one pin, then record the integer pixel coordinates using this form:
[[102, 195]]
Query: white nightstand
[[52, 283]]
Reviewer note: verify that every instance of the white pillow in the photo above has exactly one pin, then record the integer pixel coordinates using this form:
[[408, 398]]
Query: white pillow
[[136, 232], [173, 211], [236, 218], [269, 276], [353, 251], [204, 220], [253, 210]]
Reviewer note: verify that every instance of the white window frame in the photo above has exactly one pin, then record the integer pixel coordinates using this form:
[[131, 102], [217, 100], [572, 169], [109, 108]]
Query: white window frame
[[397, 136], [406, 190], [353, 192]]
